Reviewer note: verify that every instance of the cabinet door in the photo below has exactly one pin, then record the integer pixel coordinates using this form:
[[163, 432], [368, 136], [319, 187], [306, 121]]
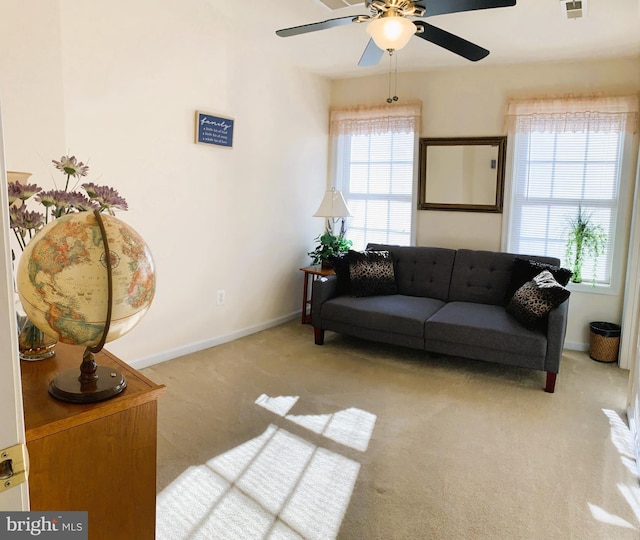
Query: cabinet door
[[106, 467]]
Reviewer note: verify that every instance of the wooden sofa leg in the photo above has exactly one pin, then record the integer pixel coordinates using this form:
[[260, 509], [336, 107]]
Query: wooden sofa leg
[[551, 382], [318, 334]]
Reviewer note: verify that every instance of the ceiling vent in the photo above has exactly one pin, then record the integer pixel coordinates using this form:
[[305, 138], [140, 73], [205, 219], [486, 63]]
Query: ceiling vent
[[574, 9], [339, 4]]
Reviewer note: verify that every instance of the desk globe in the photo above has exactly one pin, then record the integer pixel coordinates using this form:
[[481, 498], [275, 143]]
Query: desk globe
[[86, 279]]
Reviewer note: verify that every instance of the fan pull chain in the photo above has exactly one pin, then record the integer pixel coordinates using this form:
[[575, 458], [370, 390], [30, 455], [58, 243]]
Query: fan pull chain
[[395, 80], [389, 100], [393, 76]]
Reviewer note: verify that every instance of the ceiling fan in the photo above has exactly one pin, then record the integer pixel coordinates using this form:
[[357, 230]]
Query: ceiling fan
[[390, 28]]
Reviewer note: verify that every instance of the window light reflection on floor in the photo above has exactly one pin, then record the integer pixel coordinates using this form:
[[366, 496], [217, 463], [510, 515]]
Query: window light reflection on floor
[[623, 441], [275, 486], [350, 427]]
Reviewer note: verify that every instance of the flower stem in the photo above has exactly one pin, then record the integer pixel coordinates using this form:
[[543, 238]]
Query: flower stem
[[21, 242]]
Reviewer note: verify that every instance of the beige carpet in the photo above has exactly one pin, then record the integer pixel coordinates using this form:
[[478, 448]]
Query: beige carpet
[[271, 436]]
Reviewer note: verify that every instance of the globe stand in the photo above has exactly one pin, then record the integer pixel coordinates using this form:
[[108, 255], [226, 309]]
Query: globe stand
[[94, 383]]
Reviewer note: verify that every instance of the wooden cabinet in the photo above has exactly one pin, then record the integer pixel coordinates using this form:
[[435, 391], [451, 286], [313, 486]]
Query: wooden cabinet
[[98, 457]]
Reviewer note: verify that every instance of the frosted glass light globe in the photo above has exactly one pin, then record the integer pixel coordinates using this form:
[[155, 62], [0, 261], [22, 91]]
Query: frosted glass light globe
[[391, 32]]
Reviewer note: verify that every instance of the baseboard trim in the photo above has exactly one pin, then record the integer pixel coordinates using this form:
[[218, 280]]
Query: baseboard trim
[[576, 346], [154, 359]]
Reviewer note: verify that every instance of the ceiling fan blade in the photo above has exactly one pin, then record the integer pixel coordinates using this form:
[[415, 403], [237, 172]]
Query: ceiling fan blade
[[371, 55], [314, 27], [440, 7], [451, 42]]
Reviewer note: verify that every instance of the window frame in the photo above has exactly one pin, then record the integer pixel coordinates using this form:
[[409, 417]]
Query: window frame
[[620, 232], [339, 163]]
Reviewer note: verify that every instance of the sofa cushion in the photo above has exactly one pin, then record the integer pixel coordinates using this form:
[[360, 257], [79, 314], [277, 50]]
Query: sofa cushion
[[484, 325], [371, 273], [483, 276], [421, 271], [396, 313], [480, 276], [532, 302], [526, 269]]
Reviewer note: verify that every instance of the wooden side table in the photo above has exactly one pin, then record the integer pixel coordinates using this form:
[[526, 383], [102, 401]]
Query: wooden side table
[[307, 294], [99, 457]]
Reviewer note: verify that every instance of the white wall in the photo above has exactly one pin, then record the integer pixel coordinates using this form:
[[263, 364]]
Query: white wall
[[470, 102], [118, 84], [31, 86]]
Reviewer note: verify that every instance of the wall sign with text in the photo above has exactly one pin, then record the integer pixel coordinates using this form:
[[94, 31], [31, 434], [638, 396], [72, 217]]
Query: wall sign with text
[[212, 129]]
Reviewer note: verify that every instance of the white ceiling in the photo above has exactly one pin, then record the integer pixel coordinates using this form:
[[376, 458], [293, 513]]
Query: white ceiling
[[531, 31]]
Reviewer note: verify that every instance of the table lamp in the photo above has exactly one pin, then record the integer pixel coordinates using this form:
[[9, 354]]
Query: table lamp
[[333, 207]]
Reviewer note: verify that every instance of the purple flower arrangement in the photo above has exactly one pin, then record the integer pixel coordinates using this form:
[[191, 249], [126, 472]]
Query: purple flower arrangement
[[58, 202]]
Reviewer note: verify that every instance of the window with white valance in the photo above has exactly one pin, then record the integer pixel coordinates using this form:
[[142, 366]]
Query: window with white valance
[[569, 154], [373, 163]]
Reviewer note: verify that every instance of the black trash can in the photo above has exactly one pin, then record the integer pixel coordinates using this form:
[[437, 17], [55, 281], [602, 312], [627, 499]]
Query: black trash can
[[604, 341]]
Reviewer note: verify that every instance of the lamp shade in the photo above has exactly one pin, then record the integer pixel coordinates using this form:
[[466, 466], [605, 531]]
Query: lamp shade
[[391, 32], [20, 177], [333, 205]]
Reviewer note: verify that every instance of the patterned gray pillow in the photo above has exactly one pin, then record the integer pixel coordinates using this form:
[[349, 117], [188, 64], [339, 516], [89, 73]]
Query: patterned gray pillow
[[532, 302], [371, 273]]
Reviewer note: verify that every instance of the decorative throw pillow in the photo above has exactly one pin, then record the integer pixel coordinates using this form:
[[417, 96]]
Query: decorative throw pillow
[[341, 268], [532, 302], [371, 273], [525, 270]]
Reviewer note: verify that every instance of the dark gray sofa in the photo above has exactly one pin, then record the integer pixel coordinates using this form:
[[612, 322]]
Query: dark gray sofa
[[450, 302]]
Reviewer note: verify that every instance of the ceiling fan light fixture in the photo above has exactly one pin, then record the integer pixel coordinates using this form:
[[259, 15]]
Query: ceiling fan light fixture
[[391, 32]]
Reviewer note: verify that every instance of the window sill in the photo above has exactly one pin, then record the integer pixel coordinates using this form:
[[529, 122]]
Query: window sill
[[587, 287]]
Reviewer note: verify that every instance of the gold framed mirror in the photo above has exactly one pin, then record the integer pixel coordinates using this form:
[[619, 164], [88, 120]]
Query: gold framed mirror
[[462, 173]]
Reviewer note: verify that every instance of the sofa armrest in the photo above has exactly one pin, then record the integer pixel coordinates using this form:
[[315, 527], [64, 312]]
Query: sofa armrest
[[321, 290], [556, 330]]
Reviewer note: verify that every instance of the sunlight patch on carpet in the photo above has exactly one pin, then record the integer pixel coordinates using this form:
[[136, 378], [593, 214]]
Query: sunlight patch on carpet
[[232, 464], [622, 440], [631, 494], [605, 517], [276, 486], [318, 504], [279, 405], [351, 427]]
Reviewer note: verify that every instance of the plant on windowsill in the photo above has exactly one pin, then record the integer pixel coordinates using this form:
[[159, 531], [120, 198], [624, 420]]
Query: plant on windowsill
[[329, 244], [584, 238]]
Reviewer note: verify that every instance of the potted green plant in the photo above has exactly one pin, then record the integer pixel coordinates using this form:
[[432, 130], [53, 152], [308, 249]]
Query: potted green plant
[[584, 238], [329, 244]]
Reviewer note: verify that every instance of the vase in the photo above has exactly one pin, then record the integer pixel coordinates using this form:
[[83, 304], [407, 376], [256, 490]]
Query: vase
[[577, 269], [33, 343]]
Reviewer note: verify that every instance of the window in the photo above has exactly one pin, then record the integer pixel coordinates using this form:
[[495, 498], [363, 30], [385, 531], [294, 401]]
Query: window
[[374, 151], [563, 164], [555, 176], [376, 175]]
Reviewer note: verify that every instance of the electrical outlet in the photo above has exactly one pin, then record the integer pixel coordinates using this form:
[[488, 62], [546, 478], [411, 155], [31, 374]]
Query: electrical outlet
[[220, 297]]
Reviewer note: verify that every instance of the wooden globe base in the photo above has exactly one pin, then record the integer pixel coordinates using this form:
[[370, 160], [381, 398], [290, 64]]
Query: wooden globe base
[[67, 386]]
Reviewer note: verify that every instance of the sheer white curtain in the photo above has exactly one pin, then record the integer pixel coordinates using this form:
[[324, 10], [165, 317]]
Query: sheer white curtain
[[572, 113], [375, 120]]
